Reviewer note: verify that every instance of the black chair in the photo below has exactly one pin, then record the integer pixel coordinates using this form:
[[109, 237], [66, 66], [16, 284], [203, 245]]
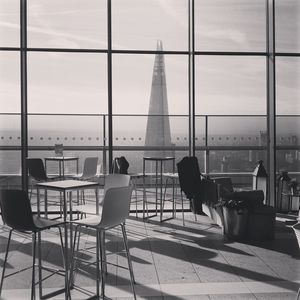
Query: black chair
[[17, 214], [37, 173], [120, 165], [190, 182], [36, 169]]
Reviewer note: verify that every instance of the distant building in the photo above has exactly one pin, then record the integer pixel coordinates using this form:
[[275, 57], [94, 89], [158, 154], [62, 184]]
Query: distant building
[[158, 132]]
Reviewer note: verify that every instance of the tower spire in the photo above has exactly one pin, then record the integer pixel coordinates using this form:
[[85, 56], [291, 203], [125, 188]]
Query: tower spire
[[158, 131]]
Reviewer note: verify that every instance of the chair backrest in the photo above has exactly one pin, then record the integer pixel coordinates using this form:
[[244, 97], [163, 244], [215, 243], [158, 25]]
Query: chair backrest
[[189, 176], [16, 210], [120, 165], [36, 169], [116, 206], [90, 167], [116, 180]]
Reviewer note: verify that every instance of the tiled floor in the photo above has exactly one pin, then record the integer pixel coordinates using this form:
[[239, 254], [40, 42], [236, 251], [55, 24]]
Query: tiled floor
[[173, 262]]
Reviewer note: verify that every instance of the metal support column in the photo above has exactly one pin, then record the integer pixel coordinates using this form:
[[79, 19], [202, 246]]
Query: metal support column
[[23, 80], [191, 78], [271, 102], [109, 80]]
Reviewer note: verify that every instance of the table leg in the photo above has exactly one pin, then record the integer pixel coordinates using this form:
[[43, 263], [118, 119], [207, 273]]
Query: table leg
[[161, 188], [63, 169], [39, 246], [67, 291], [144, 190], [59, 169], [156, 183], [97, 201], [46, 166], [38, 201]]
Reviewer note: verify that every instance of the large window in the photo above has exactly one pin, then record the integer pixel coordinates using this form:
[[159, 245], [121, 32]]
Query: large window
[[130, 86]]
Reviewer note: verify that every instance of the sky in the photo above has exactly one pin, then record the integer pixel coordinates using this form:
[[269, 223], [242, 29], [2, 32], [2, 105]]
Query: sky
[[77, 82]]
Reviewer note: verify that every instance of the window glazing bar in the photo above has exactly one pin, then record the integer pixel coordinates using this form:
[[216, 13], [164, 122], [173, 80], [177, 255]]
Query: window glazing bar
[[23, 80], [271, 101]]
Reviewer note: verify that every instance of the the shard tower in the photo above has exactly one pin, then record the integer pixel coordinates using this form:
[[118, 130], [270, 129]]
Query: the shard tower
[[158, 132]]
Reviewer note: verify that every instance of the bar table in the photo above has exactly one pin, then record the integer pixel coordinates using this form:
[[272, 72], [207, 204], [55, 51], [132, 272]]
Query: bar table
[[160, 164], [61, 163], [64, 187]]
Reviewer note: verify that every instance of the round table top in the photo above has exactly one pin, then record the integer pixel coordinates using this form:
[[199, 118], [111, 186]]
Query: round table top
[[159, 158]]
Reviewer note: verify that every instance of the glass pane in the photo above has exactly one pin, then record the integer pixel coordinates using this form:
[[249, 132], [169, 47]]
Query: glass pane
[[230, 25], [201, 160], [287, 129], [288, 160], [67, 83], [10, 171], [10, 82], [287, 85], [67, 24], [72, 131], [138, 24], [131, 131], [237, 161], [237, 131], [230, 85], [287, 25], [133, 85], [135, 159], [9, 23], [200, 131], [10, 130], [52, 167]]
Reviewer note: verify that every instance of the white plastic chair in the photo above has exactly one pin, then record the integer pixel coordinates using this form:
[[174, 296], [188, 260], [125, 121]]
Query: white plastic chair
[[116, 207], [112, 180], [89, 169], [89, 172]]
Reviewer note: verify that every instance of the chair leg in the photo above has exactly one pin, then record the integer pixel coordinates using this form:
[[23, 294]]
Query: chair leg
[[83, 197], [5, 260], [182, 210], [104, 253], [33, 266], [298, 294], [30, 193], [192, 203], [97, 263], [132, 280], [101, 241], [40, 282], [73, 257]]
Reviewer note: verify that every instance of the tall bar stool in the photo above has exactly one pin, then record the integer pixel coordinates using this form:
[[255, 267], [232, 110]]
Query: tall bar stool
[[112, 180], [89, 172], [116, 207], [16, 214]]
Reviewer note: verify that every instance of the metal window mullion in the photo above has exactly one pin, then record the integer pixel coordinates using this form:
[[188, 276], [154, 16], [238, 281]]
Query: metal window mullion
[[23, 91], [109, 82], [271, 102], [191, 77]]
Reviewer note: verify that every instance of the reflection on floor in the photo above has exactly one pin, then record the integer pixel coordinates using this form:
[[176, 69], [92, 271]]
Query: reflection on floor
[[172, 262]]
